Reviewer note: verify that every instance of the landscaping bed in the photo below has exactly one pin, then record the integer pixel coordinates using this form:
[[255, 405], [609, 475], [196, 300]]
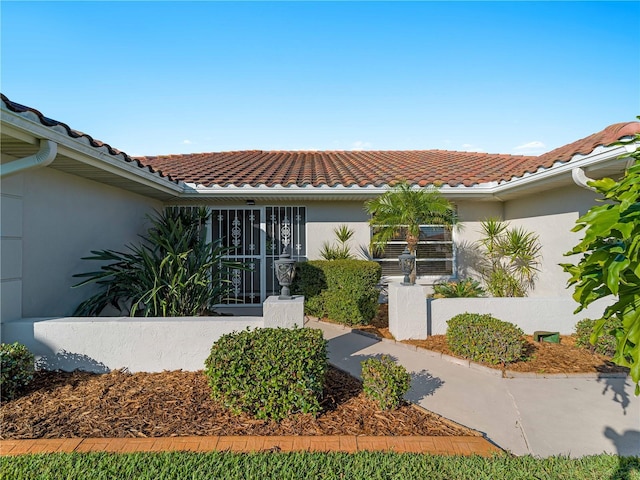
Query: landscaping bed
[[178, 403], [542, 357]]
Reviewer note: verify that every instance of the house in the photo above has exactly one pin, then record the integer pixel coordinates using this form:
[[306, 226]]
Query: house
[[63, 194]]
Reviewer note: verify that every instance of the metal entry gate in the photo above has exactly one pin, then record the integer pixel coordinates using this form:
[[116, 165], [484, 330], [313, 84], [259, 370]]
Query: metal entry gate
[[256, 237]]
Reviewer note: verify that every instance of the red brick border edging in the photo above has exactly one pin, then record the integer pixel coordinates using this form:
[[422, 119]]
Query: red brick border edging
[[241, 444]]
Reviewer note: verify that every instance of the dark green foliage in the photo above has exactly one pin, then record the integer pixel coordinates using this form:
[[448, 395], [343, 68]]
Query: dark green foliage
[[468, 288], [173, 272], [343, 290], [384, 381], [482, 338], [16, 369], [605, 343], [609, 266], [269, 372]]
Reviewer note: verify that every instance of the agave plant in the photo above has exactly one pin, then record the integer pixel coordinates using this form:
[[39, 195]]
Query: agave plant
[[173, 272]]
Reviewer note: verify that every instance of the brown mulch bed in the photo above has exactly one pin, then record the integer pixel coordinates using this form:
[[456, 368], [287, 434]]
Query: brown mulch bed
[[178, 403], [542, 357]]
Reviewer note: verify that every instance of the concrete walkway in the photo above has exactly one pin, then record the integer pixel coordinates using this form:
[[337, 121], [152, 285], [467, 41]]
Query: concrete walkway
[[574, 416]]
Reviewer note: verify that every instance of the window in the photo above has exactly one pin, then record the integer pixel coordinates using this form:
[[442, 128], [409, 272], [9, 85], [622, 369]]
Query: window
[[434, 256]]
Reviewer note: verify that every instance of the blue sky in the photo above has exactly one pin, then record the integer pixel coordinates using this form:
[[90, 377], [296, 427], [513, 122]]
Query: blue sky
[[177, 77]]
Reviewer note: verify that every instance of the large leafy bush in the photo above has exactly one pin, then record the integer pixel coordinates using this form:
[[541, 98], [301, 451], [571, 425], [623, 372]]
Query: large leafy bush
[[269, 373], [384, 381], [343, 290], [610, 262], [482, 338], [173, 272], [16, 369]]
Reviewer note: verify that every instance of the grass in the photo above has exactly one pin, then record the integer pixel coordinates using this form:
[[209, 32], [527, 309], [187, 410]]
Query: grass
[[362, 465]]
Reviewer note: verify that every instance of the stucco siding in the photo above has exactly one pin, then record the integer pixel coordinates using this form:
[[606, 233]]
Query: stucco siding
[[322, 218], [552, 215], [11, 193], [64, 218]]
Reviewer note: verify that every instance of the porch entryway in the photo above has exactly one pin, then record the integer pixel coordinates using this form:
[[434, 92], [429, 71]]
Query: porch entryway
[[256, 236]]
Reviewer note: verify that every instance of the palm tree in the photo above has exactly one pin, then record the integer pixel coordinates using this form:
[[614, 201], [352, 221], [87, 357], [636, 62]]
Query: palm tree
[[401, 211]]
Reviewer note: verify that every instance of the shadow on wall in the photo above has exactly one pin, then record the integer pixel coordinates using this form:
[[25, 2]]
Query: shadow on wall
[[468, 257], [69, 362]]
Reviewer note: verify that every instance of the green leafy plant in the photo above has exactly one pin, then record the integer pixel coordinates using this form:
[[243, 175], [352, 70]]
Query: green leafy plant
[[610, 261], [343, 290], [401, 211], [482, 338], [341, 249], [16, 369], [269, 373], [467, 288], [512, 258], [173, 272], [605, 344], [384, 381]]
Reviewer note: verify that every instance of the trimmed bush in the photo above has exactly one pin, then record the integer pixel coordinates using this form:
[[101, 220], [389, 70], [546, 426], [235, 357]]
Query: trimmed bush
[[16, 369], [384, 381], [343, 290], [269, 373], [606, 343], [482, 338]]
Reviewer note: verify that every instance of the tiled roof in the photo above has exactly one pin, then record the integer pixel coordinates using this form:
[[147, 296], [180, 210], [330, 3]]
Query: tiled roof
[[346, 168], [375, 168], [48, 122]]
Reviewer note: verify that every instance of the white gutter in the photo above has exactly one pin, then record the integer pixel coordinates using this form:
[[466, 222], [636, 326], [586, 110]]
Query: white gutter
[[43, 158], [581, 179]]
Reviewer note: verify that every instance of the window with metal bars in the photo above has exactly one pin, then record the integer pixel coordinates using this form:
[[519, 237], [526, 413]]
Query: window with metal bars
[[435, 255]]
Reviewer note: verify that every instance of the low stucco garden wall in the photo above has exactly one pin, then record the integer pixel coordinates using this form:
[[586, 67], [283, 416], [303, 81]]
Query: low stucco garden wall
[[413, 316], [102, 344]]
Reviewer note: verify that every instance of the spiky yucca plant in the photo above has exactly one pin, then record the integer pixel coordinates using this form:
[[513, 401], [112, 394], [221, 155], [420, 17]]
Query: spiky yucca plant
[[173, 272]]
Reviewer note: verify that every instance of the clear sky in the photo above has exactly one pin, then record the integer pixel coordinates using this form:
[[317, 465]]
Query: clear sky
[[177, 77]]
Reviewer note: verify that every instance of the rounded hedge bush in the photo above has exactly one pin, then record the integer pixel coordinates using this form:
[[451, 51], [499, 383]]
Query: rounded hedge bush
[[384, 381], [269, 373], [16, 369], [606, 343], [482, 338]]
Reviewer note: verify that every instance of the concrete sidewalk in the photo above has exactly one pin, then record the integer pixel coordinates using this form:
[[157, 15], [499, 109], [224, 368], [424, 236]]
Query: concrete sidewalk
[[573, 416]]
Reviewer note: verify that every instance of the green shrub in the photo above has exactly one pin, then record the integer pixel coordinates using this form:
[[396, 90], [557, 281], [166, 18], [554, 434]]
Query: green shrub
[[16, 369], [384, 381], [268, 372], [605, 344], [482, 338], [343, 290], [468, 288]]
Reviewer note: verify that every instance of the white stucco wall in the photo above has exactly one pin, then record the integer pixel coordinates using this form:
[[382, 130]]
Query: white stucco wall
[[552, 215], [11, 203], [63, 218], [323, 217]]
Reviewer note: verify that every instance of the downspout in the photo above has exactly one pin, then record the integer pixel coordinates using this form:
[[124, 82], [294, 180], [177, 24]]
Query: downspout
[[43, 158], [580, 178]]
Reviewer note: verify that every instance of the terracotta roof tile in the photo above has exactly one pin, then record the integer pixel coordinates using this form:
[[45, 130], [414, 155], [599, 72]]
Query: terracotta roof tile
[[370, 168], [348, 168]]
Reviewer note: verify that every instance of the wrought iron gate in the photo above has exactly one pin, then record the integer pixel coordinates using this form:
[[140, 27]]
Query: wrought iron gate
[[256, 237]]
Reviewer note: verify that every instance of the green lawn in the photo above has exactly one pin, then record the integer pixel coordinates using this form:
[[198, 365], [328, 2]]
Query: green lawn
[[363, 465]]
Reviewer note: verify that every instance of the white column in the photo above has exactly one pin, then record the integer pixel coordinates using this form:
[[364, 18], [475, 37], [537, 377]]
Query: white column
[[283, 313], [408, 311]]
